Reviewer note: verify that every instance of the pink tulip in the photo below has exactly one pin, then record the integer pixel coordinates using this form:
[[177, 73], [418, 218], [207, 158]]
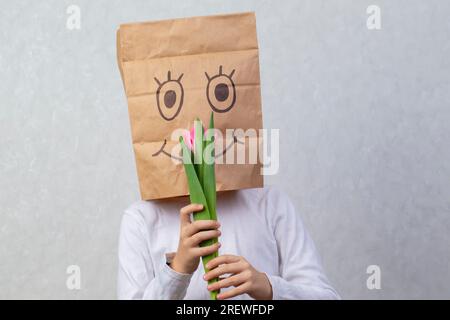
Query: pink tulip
[[189, 138]]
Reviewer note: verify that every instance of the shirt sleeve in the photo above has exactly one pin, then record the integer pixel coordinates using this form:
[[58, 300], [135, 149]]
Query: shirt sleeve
[[301, 274], [138, 276]]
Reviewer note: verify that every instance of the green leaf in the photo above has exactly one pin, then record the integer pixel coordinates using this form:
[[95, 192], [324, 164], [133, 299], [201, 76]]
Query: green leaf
[[198, 149], [209, 176], [196, 195]]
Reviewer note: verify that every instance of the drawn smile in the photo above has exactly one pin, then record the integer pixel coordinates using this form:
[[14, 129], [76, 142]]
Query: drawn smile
[[180, 159]]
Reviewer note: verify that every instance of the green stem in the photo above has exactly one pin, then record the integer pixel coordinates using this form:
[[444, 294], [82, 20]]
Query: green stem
[[196, 195]]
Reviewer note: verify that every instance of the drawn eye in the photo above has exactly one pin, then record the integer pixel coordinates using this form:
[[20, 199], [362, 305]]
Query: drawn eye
[[169, 97], [220, 91]]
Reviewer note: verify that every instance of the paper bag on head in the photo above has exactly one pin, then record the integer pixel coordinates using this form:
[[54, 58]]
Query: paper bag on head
[[174, 71]]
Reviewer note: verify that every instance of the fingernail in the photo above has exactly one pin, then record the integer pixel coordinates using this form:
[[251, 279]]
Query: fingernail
[[204, 277]]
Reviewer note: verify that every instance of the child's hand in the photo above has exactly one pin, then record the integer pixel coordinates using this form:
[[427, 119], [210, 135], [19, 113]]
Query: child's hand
[[188, 254], [243, 277]]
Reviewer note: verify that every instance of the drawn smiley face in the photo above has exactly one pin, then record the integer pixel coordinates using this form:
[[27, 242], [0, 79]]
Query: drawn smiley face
[[220, 93]]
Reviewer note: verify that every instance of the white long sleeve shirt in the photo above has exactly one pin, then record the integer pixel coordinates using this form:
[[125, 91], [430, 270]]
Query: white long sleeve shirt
[[260, 225]]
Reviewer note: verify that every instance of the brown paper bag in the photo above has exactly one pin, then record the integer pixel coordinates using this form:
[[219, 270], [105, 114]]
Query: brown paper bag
[[174, 71]]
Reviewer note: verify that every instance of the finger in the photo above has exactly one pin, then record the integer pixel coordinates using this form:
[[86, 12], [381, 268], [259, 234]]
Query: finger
[[204, 251], [234, 280], [185, 212], [202, 236], [232, 268], [200, 225], [223, 259], [243, 288]]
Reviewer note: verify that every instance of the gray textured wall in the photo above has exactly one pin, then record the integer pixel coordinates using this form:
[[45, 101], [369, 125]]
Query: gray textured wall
[[365, 138]]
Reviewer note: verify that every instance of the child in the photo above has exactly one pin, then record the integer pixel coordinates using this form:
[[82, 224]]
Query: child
[[264, 250]]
